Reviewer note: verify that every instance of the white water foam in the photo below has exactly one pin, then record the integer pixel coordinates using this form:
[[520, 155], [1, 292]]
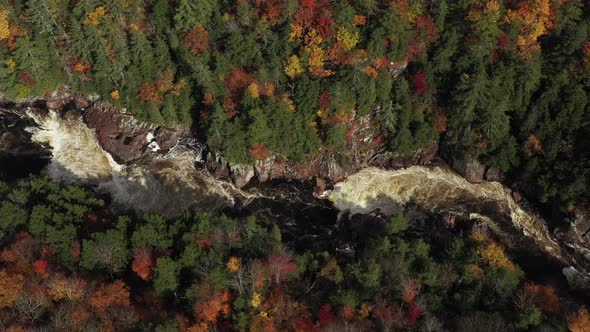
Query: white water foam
[[436, 189], [165, 184]]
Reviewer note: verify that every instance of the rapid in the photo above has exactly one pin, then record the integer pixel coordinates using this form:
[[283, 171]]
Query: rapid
[[166, 184]]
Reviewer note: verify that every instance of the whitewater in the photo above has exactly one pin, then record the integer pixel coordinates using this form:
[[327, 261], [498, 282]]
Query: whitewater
[[165, 184]]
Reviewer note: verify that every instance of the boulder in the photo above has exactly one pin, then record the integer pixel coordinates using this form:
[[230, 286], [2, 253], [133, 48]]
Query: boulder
[[81, 103], [517, 196], [118, 133], [168, 137], [493, 174], [320, 185], [470, 168], [242, 174], [57, 103]]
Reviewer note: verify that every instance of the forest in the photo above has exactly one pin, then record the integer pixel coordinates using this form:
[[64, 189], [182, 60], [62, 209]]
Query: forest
[[70, 262], [505, 82]]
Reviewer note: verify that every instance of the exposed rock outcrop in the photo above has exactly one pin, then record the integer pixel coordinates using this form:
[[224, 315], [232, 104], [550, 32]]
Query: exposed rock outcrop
[[364, 147], [470, 168], [126, 138]]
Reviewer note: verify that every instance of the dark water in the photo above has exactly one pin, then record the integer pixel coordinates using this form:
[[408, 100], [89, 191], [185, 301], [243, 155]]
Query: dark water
[[306, 221], [19, 156]]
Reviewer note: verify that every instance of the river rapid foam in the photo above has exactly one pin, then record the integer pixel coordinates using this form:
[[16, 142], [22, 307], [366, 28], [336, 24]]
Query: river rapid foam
[[165, 184], [437, 189]]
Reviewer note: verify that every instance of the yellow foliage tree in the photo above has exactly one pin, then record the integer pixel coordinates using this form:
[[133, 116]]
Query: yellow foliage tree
[[233, 264], [534, 18], [254, 90], [493, 254], [115, 94], [4, 25], [256, 300], [347, 38], [293, 67], [296, 32], [93, 17], [316, 61], [489, 8]]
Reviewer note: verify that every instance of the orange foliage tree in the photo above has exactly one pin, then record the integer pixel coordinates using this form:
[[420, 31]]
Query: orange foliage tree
[[579, 321], [8, 295], [197, 40], [543, 297], [259, 151], [534, 18], [410, 289], [143, 263], [533, 146], [149, 93], [66, 288], [21, 254], [109, 295], [208, 311]]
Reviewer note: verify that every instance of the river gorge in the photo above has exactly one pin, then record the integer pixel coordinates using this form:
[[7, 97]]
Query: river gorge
[[167, 180]]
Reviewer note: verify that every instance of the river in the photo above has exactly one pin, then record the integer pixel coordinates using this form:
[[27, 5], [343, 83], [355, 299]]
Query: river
[[169, 183]]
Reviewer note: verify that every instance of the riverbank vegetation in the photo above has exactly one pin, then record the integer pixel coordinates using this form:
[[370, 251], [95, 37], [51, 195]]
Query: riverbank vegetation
[[71, 261], [502, 81]]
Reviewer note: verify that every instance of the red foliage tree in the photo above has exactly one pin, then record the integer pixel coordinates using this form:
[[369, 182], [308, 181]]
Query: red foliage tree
[[413, 314], [26, 78], [427, 26], [325, 101], [270, 10], [143, 263], [419, 82], [324, 26], [40, 266], [325, 314], [500, 47], [280, 265], [389, 315], [237, 80]]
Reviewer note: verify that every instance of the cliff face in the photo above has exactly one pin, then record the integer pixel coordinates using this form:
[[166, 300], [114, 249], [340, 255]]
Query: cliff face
[[128, 139], [363, 148]]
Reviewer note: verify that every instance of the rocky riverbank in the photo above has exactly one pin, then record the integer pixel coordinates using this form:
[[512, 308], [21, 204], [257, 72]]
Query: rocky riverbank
[[141, 154]]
